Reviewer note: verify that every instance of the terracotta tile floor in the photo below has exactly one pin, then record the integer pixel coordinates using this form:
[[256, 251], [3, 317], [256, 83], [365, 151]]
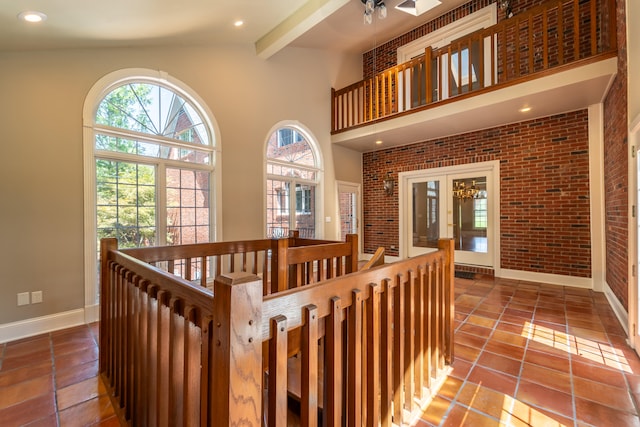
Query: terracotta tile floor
[[526, 355]]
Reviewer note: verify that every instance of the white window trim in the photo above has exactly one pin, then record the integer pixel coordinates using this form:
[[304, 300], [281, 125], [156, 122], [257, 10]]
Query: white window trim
[[97, 92]]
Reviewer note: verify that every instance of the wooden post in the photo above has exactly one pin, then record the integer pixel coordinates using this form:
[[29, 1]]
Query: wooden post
[[106, 245], [448, 246], [352, 260], [236, 374]]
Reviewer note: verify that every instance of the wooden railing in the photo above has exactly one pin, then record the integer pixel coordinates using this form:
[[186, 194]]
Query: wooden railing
[[553, 35], [279, 262], [371, 344]]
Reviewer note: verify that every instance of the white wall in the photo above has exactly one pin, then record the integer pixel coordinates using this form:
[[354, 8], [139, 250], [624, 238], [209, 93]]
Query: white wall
[[41, 190]]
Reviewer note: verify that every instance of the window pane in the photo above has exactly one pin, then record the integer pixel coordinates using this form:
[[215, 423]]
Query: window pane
[[187, 206], [277, 208], [154, 110], [305, 216], [126, 203]]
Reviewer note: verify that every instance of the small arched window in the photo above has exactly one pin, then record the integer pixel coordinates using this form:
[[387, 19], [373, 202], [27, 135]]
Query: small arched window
[[293, 182]]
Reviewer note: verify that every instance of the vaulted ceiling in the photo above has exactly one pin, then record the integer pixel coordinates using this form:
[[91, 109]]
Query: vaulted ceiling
[[268, 24]]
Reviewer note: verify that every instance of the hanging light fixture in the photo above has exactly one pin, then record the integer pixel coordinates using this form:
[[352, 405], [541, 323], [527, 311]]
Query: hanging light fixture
[[464, 193], [370, 7]]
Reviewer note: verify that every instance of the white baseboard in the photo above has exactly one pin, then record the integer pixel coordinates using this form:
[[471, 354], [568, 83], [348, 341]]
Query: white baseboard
[[91, 313], [40, 325], [618, 309], [552, 279]]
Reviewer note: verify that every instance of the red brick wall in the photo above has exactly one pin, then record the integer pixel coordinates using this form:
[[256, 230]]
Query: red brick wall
[[544, 188], [615, 166]]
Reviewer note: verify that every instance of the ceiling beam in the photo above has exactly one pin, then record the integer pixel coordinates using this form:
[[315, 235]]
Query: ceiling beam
[[296, 24]]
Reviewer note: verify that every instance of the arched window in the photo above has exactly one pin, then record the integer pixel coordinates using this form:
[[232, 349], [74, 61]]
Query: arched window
[[150, 178], [293, 176]]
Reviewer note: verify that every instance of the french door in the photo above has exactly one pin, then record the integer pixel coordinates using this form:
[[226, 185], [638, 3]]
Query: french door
[[458, 203]]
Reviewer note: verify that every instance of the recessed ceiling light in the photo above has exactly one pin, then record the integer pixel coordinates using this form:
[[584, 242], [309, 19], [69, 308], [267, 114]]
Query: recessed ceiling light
[[238, 23], [525, 109], [378, 142], [32, 16]]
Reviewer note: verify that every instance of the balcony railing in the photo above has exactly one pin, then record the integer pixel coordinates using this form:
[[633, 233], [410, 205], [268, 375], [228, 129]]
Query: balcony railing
[[549, 37]]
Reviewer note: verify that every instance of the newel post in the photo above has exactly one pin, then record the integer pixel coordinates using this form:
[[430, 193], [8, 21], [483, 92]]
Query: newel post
[[352, 260], [449, 296], [106, 245], [236, 374]]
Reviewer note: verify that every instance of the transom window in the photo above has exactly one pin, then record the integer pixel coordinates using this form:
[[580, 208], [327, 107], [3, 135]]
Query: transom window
[[293, 174]]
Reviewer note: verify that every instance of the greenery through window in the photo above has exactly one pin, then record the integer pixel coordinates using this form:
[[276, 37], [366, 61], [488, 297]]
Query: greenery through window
[[153, 167], [292, 180]]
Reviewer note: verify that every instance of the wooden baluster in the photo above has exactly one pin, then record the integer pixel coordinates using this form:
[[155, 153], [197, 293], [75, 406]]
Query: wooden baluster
[[373, 357], [333, 399], [418, 355], [309, 398], [203, 271], [386, 355], [191, 368], [428, 332], [545, 38], [176, 361], [206, 339], [354, 366], [333, 109], [531, 49], [576, 30], [449, 307], [560, 33], [428, 83], [409, 341], [399, 306], [277, 388], [516, 61], [187, 269], [237, 352], [164, 350]]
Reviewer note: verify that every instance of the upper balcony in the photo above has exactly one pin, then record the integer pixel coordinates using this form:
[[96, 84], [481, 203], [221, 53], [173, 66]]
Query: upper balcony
[[557, 57]]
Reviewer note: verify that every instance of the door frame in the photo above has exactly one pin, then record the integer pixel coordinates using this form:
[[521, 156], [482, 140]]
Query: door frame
[[357, 189], [494, 209]]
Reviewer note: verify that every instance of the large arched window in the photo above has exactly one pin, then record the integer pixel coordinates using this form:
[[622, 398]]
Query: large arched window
[[150, 178], [294, 171]]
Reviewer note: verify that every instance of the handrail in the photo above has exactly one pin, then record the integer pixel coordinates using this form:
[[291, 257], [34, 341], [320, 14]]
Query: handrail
[[173, 354], [543, 38]]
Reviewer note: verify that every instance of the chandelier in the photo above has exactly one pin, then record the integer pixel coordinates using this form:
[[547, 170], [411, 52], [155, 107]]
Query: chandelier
[[464, 193], [369, 8]]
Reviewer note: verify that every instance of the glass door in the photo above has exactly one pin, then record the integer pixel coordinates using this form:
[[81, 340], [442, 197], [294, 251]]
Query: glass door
[[453, 205]]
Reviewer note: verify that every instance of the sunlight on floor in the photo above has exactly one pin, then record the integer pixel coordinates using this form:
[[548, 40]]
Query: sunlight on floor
[[593, 351]]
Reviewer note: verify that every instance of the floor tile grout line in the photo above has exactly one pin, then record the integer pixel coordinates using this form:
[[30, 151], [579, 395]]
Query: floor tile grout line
[[454, 400]]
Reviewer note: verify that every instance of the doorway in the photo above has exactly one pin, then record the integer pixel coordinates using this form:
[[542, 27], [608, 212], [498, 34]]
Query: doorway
[[349, 205], [461, 203]]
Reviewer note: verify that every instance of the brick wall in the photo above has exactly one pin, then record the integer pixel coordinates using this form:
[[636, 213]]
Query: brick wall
[[615, 165], [544, 185], [385, 55]]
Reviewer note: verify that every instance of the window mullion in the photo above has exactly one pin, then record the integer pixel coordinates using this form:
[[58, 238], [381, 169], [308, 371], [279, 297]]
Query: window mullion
[[161, 204]]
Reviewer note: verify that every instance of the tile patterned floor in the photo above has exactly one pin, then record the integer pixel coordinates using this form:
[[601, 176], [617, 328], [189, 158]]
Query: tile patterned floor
[[526, 355]]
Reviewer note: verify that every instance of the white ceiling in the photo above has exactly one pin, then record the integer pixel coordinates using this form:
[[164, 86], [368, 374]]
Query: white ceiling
[[325, 24]]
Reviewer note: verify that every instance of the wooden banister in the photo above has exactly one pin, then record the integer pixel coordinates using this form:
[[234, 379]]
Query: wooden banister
[[370, 343], [539, 40]]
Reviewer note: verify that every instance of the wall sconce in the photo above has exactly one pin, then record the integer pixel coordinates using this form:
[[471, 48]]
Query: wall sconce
[[388, 184]]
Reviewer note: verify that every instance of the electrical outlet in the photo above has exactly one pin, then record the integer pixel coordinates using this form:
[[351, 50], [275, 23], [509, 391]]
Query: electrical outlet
[[23, 298], [36, 297]]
